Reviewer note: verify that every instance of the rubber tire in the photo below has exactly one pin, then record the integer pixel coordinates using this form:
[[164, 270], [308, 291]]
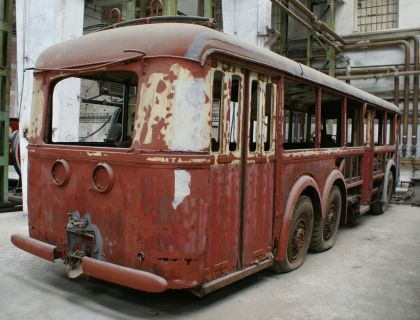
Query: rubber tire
[[378, 207], [303, 207], [318, 242]]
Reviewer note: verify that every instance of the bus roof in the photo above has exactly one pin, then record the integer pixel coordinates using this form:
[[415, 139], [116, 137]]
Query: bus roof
[[182, 40]]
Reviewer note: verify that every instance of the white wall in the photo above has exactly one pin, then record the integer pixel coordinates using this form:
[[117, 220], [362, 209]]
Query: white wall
[[409, 11], [40, 24], [247, 19]]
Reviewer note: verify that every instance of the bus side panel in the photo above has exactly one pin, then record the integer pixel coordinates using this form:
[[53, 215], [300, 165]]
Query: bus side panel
[[223, 221], [258, 211]]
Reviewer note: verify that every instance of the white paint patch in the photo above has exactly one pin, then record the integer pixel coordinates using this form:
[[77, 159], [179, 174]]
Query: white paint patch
[[182, 186], [190, 131], [94, 154]]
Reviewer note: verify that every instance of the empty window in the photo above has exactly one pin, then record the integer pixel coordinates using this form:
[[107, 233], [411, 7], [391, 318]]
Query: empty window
[[216, 111], [268, 116], [103, 106], [354, 109], [235, 95], [375, 15], [378, 122], [331, 113], [299, 121], [389, 130], [253, 117]]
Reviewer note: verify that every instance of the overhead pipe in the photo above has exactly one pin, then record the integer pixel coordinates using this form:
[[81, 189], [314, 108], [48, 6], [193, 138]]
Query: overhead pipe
[[316, 21], [374, 73], [306, 25]]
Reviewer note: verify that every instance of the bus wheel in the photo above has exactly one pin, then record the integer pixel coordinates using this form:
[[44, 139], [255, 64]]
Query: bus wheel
[[325, 232], [299, 236], [378, 207]]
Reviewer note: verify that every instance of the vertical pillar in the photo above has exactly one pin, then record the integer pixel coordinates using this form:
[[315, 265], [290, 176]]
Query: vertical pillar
[[169, 8], [129, 10], [6, 41], [208, 8], [284, 22], [330, 52]]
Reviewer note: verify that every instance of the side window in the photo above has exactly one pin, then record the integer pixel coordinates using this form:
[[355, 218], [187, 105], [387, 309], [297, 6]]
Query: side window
[[267, 129], [331, 113], [216, 111], [253, 117], [299, 121], [378, 123], [390, 130], [235, 103], [354, 110]]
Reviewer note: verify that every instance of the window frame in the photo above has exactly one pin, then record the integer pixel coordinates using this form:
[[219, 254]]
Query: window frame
[[125, 137]]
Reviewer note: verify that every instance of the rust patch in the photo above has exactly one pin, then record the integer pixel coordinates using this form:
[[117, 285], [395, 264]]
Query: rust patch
[[161, 86]]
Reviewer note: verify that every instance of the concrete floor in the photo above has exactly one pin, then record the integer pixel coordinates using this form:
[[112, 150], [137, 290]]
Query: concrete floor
[[373, 272]]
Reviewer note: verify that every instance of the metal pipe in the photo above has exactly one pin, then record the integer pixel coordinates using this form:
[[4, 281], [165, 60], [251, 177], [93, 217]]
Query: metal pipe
[[378, 75], [415, 95], [316, 21], [306, 25], [374, 73], [378, 43]]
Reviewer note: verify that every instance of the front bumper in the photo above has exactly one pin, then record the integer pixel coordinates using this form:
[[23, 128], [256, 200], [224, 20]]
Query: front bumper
[[128, 277]]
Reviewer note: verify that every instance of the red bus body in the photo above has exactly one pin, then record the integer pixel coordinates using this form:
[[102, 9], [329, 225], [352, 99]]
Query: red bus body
[[168, 213]]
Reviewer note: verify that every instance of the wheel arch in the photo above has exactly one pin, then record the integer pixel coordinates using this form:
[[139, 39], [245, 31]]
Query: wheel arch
[[390, 169], [305, 185]]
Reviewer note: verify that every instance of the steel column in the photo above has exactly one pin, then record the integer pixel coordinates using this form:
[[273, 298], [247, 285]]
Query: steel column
[[130, 10], [208, 8], [169, 8], [6, 14]]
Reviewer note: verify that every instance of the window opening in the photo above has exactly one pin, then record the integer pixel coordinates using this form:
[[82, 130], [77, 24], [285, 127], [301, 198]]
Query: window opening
[[331, 113], [103, 104], [353, 123], [253, 118], [216, 111], [268, 116], [235, 95], [299, 122], [378, 128], [389, 130]]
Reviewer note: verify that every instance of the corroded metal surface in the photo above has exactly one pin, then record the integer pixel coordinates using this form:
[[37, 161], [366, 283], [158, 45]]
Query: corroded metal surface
[[167, 211], [38, 248]]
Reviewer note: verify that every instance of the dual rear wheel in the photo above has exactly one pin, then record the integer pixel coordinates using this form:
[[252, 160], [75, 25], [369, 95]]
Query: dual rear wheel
[[306, 232]]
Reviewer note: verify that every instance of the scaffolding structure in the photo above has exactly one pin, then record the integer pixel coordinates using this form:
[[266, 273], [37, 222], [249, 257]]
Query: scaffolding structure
[[6, 16]]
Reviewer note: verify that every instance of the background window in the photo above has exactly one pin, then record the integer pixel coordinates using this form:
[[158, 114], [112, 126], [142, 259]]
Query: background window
[[375, 15]]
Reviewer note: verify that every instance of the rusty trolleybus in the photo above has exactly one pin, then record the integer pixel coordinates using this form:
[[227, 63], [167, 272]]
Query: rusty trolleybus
[[196, 159]]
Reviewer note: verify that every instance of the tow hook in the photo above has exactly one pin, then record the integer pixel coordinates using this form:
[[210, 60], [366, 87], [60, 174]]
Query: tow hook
[[80, 243]]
